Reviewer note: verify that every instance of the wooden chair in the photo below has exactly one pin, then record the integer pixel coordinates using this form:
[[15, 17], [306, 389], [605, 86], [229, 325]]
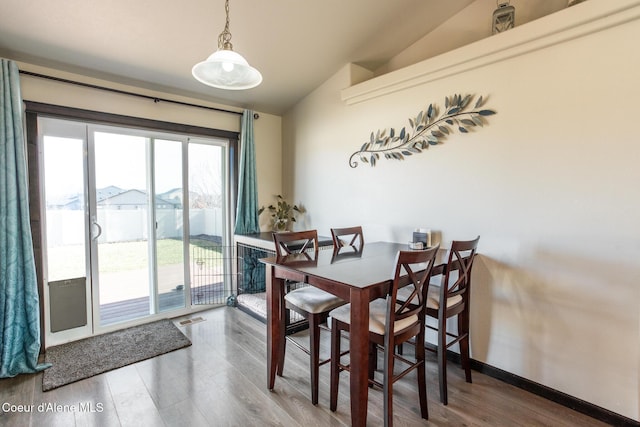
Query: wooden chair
[[390, 324], [354, 236], [454, 288], [311, 303]]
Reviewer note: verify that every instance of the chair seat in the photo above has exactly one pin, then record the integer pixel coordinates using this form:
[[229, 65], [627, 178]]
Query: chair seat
[[433, 296], [313, 300], [377, 316]]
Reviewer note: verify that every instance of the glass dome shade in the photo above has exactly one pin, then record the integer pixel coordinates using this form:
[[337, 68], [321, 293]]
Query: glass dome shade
[[226, 69]]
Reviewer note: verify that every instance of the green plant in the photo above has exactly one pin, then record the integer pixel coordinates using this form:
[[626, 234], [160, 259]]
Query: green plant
[[282, 214], [427, 128]]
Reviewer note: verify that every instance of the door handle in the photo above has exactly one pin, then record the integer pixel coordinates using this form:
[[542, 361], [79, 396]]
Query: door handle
[[99, 230]]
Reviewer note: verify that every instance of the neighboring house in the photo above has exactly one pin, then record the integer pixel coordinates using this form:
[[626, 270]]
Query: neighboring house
[[134, 199], [174, 196], [67, 203], [116, 198]]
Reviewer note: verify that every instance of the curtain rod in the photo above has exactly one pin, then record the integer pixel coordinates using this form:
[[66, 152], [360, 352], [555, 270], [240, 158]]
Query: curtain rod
[[123, 92]]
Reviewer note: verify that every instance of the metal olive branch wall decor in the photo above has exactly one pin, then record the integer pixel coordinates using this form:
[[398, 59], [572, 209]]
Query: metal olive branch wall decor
[[427, 128]]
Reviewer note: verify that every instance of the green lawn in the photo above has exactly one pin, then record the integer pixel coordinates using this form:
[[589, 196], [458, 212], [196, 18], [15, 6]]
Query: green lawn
[[68, 261]]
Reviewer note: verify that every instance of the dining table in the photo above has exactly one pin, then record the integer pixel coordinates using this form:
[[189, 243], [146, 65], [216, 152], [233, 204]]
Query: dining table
[[358, 276]]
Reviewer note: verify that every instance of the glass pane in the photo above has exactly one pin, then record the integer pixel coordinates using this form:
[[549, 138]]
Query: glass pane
[[169, 241], [65, 208], [122, 214], [206, 202]]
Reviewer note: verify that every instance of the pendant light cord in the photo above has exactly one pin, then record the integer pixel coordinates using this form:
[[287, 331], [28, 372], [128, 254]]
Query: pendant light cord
[[224, 39]]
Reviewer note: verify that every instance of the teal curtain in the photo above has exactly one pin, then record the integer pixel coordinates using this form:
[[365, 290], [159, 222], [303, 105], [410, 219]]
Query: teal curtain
[[247, 209], [19, 307]]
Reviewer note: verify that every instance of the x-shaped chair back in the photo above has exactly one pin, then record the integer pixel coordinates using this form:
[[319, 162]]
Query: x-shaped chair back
[[304, 243], [459, 264], [354, 237], [411, 267]]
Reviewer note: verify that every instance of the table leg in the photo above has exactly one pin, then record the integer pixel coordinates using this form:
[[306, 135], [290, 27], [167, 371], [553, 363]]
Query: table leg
[[359, 356], [275, 288]]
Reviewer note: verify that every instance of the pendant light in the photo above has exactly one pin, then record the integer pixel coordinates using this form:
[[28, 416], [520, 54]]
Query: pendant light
[[226, 69]]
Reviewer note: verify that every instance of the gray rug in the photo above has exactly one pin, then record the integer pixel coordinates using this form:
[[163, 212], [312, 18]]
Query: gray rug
[[82, 359]]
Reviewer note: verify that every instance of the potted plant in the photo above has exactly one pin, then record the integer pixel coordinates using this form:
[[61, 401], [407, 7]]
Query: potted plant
[[283, 214]]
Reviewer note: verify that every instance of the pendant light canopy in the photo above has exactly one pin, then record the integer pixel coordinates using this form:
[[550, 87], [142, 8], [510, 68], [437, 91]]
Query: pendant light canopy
[[226, 69]]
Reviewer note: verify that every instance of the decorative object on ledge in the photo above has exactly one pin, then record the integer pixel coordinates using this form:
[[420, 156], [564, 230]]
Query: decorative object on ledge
[[427, 128], [283, 214], [504, 17]]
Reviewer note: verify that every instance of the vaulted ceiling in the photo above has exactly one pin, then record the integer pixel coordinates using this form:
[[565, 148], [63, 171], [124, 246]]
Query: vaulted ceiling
[[296, 44]]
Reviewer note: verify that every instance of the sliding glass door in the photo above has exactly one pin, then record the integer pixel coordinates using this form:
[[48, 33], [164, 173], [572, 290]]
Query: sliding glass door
[[120, 211], [126, 210]]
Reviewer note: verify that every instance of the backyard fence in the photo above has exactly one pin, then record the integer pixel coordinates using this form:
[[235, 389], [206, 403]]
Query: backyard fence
[[130, 225]]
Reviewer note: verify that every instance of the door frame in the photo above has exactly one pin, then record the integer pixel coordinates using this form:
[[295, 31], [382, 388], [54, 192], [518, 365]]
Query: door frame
[[35, 109]]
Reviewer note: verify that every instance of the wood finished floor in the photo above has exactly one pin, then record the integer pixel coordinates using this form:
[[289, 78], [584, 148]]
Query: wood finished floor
[[221, 381]]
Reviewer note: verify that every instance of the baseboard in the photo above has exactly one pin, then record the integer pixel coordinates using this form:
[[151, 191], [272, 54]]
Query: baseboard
[[559, 397]]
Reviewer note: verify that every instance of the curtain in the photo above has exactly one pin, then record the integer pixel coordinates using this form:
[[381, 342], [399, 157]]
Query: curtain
[[19, 306], [247, 209]]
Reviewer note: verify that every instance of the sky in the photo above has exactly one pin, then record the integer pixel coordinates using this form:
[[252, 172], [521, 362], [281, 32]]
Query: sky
[[118, 162]]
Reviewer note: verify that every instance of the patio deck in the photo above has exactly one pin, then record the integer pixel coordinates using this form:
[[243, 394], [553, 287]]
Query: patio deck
[[135, 308]]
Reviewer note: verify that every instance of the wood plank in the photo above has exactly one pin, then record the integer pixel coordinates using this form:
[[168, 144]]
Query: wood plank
[[219, 381]]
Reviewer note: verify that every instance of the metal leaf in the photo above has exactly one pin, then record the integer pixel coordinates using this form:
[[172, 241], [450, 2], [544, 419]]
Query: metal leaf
[[427, 127]]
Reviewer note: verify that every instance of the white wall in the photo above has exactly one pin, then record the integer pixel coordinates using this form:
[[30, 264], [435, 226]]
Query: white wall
[[550, 184]]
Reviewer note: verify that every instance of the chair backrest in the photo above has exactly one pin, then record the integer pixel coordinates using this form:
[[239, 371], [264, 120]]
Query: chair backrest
[[352, 237], [457, 275], [411, 267], [296, 242]]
